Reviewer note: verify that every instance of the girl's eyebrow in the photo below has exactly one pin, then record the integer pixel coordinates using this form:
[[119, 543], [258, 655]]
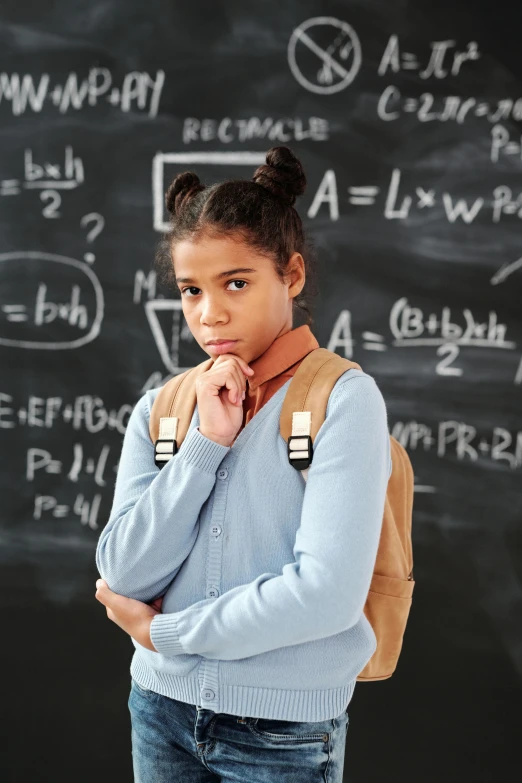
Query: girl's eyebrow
[[243, 271]]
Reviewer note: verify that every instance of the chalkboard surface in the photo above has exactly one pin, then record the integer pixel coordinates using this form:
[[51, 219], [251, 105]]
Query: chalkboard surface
[[408, 119]]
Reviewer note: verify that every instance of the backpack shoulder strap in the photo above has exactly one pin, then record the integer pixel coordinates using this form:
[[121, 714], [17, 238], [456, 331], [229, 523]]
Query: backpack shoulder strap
[[304, 406], [172, 411]]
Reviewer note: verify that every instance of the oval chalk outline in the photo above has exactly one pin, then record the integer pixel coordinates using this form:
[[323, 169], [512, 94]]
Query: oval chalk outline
[[98, 291]]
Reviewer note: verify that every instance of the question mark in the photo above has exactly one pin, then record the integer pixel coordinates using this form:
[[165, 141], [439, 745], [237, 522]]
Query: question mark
[[99, 223]]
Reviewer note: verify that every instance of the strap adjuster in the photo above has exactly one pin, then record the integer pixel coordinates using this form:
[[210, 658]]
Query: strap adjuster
[[300, 448], [166, 445], [164, 452], [300, 451]]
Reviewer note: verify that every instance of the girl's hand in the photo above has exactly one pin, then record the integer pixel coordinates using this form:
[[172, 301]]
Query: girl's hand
[[132, 616], [219, 393]]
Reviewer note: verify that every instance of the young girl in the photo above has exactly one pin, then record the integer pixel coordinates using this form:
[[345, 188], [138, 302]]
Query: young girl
[[242, 587]]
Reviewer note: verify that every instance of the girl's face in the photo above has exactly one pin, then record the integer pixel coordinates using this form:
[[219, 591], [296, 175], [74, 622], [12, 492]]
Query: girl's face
[[230, 291]]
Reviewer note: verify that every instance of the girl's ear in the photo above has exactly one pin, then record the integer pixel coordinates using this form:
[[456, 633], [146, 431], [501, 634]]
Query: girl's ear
[[296, 273]]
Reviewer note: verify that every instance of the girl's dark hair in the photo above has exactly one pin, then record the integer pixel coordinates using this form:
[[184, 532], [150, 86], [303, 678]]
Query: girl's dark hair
[[260, 211]]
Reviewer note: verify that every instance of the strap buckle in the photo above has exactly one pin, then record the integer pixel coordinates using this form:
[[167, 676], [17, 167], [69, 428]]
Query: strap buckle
[[300, 451], [165, 451]]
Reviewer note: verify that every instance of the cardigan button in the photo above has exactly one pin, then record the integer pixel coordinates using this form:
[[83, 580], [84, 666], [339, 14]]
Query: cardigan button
[[208, 693], [222, 474]]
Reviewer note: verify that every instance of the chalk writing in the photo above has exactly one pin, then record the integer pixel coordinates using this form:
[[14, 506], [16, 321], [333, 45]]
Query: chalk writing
[[21, 322], [228, 129], [85, 412], [139, 91], [47, 505]]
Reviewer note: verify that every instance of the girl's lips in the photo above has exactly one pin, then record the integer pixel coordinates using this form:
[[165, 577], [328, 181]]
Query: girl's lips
[[220, 348]]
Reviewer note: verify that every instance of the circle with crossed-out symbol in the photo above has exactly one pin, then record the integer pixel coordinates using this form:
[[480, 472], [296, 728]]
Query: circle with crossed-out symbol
[[324, 54]]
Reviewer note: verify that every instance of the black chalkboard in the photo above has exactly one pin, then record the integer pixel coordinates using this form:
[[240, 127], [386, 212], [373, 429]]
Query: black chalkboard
[[408, 119]]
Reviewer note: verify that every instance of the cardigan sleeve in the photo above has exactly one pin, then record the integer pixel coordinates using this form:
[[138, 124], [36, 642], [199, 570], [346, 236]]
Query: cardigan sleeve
[[154, 523], [324, 590]]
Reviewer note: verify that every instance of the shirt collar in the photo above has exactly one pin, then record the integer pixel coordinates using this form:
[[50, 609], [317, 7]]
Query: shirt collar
[[285, 351]]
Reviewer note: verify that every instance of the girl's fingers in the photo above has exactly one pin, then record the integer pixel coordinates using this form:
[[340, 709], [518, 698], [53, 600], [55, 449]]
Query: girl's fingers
[[246, 369], [241, 384], [234, 378], [230, 385], [235, 384]]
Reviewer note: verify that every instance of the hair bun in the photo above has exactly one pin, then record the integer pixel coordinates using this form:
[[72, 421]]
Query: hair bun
[[282, 175], [185, 184]]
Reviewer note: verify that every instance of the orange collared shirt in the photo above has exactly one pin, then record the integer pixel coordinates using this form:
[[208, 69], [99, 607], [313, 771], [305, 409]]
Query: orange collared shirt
[[274, 367]]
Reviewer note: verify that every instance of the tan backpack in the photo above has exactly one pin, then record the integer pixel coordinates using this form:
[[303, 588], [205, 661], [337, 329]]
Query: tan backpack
[[304, 407]]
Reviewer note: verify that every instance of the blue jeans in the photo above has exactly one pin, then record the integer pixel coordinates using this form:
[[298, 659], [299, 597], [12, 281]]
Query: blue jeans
[[176, 742]]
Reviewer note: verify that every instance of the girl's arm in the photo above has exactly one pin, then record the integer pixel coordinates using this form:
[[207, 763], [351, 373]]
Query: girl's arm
[[324, 590], [153, 523]]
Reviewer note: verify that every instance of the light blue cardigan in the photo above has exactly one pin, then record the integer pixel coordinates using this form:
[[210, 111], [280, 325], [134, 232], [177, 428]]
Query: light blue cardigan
[[264, 577]]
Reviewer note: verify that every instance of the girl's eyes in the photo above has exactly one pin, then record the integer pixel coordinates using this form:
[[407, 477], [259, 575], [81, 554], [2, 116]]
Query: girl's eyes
[[192, 287]]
